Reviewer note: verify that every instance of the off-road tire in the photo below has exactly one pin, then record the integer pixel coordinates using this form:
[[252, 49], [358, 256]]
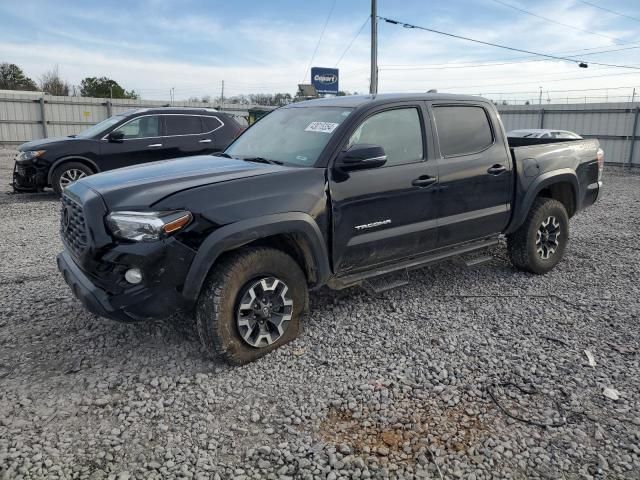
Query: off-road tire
[[217, 304], [521, 245], [66, 167]]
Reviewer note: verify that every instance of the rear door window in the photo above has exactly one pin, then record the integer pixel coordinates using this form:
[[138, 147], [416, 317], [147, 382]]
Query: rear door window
[[462, 129], [211, 124], [183, 124]]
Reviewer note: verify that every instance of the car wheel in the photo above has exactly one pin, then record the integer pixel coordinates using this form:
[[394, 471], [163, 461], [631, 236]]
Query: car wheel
[[251, 304], [67, 173], [539, 244]]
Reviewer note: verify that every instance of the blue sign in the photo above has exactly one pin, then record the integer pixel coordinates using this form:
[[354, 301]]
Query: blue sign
[[325, 79]]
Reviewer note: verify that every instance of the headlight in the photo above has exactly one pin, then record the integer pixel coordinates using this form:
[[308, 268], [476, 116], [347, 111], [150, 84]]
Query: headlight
[[147, 226], [30, 155]]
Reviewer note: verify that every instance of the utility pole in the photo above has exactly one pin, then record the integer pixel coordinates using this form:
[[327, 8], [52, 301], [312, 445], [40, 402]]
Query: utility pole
[[111, 92], [540, 97], [222, 97], [373, 89], [633, 95]]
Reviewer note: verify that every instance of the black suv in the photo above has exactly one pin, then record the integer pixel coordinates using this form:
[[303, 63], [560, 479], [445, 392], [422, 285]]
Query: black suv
[[133, 137]]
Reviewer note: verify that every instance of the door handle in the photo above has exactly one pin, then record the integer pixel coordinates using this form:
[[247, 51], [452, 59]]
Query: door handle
[[154, 145], [206, 140], [424, 181], [496, 169]]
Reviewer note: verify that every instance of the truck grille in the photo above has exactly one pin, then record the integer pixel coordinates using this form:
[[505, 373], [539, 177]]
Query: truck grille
[[73, 228]]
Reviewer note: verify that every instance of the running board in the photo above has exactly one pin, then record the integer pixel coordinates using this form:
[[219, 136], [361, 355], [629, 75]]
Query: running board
[[477, 261], [383, 283], [338, 283]]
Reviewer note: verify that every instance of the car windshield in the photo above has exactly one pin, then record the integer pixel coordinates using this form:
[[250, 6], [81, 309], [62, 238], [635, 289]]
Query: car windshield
[[293, 136], [98, 128]]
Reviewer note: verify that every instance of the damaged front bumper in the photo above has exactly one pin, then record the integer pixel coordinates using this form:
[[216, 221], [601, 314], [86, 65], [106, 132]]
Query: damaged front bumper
[[28, 178]]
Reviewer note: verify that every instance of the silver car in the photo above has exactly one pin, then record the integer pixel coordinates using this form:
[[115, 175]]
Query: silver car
[[543, 133]]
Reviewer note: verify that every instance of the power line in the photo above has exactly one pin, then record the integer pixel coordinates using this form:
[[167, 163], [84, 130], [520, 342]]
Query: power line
[[489, 64], [609, 10], [522, 10], [561, 91], [352, 40], [508, 61], [319, 40], [535, 81], [514, 49]]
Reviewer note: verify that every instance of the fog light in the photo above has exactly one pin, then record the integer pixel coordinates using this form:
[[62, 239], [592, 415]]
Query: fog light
[[133, 275]]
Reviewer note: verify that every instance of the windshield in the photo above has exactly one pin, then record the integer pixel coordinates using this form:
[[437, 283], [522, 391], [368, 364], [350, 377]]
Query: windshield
[[294, 136], [100, 127]]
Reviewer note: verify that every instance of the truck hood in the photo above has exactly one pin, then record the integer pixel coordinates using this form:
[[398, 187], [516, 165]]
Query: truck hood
[[141, 186]]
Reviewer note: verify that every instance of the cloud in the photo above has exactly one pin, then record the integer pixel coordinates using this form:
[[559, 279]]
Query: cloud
[[165, 48]]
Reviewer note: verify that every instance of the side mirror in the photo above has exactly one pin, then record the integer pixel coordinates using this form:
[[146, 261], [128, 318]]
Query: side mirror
[[360, 157], [116, 136]]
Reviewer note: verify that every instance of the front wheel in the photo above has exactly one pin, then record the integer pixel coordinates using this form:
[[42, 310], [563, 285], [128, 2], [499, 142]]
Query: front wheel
[[539, 244], [251, 304], [67, 173]]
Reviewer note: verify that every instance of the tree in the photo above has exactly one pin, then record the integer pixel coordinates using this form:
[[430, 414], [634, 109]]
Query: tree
[[282, 99], [104, 87], [13, 78], [52, 84]]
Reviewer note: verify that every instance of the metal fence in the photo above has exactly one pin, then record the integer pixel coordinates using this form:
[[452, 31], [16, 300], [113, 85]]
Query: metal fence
[[614, 124], [25, 117]]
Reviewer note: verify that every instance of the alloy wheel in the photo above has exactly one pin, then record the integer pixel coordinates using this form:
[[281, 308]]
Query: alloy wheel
[[547, 237], [264, 311], [70, 176]]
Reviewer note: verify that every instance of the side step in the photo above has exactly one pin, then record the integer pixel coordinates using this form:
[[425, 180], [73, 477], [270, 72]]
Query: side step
[[477, 261], [386, 282], [340, 282]]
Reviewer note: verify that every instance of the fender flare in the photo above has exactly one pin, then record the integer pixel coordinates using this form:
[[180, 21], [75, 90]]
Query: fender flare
[[237, 234], [70, 158], [564, 175]]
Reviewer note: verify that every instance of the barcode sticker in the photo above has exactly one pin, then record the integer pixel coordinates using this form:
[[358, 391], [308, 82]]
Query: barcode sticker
[[323, 127]]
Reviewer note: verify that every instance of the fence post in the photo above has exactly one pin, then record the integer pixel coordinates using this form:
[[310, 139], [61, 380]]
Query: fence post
[[541, 118], [44, 118], [108, 104], [633, 135]]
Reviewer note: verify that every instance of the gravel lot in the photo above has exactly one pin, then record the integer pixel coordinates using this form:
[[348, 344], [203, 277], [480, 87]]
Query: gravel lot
[[392, 386]]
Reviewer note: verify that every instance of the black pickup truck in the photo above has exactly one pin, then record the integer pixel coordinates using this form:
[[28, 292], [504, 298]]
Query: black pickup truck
[[326, 192]]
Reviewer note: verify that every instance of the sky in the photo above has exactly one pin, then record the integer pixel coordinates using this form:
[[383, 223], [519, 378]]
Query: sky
[[268, 46]]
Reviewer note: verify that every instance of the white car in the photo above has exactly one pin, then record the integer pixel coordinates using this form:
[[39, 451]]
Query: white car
[[542, 133]]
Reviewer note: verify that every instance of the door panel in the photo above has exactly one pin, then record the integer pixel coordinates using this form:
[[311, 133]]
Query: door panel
[[142, 143], [475, 174], [379, 215], [386, 213], [185, 135]]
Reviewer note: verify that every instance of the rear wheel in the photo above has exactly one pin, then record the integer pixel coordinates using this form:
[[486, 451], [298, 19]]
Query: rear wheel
[[539, 244], [251, 304], [67, 173]]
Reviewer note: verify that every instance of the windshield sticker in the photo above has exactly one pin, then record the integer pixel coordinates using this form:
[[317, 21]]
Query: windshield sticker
[[324, 127]]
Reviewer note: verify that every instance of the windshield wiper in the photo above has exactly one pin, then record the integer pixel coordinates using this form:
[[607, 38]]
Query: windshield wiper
[[222, 154], [262, 160]]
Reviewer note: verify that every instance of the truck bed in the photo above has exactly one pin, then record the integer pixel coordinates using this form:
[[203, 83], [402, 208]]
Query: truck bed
[[574, 162]]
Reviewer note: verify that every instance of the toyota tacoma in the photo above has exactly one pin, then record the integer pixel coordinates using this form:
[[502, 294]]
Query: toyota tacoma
[[329, 192]]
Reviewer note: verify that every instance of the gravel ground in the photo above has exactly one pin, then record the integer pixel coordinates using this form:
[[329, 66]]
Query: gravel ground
[[414, 383]]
